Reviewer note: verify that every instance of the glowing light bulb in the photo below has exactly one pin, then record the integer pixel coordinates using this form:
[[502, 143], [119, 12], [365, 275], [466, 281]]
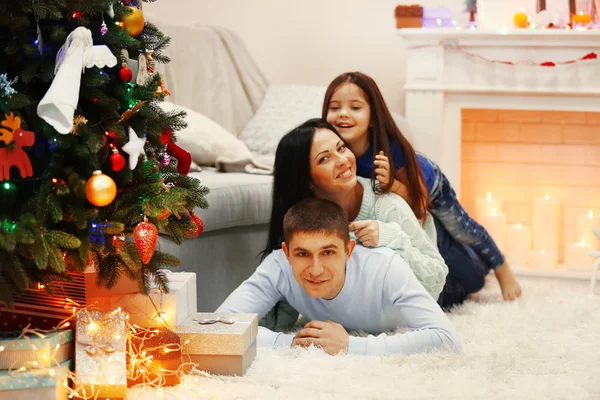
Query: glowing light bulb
[[546, 196], [92, 326], [543, 251], [519, 226]]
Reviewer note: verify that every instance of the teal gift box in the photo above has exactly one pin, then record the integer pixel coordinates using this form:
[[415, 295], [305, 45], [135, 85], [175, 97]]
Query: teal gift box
[[42, 383], [54, 347]]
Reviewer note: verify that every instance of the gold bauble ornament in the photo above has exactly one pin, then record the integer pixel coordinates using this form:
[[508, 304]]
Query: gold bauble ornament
[[100, 189], [133, 22]]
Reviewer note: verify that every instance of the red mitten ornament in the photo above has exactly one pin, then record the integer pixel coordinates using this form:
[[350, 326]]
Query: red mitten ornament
[[117, 161], [145, 236], [184, 158]]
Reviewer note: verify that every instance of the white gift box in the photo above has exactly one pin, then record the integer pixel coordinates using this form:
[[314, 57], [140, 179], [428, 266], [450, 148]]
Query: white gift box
[[157, 308]]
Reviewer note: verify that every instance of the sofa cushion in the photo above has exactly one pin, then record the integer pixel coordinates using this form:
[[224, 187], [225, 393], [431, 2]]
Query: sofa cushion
[[206, 140], [283, 108], [235, 199]]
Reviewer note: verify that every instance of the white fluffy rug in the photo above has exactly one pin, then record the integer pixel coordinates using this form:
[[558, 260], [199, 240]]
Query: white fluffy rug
[[544, 346]]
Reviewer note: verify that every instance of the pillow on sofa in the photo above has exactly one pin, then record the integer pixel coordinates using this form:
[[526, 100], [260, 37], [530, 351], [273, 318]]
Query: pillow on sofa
[[283, 108], [205, 139]]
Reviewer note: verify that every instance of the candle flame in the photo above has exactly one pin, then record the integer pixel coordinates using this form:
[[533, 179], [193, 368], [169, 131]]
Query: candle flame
[[590, 214], [582, 242], [546, 196], [543, 251], [519, 226], [493, 212], [488, 196]]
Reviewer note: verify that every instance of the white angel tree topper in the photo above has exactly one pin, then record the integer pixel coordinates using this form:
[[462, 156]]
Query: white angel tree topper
[[58, 106]]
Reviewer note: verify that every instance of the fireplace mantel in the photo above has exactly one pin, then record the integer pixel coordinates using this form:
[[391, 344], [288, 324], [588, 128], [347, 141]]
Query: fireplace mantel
[[441, 80], [503, 37]]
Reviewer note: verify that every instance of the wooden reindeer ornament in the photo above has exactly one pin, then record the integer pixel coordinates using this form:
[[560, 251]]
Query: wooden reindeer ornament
[[14, 156]]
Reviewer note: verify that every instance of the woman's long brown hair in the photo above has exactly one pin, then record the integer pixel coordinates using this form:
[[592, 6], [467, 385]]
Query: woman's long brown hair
[[383, 129]]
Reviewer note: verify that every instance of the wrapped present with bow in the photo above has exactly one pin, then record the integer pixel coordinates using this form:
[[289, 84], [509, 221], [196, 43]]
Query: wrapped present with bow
[[36, 383], [220, 343], [157, 309], [35, 348], [100, 354]]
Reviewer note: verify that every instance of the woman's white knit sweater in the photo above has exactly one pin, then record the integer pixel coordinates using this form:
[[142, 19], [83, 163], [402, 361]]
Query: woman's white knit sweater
[[400, 230]]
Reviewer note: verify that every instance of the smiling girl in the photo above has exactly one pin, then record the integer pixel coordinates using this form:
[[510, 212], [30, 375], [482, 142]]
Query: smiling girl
[[354, 105]]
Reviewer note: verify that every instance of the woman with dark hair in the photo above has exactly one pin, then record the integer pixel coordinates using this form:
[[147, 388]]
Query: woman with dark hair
[[312, 160], [354, 105]]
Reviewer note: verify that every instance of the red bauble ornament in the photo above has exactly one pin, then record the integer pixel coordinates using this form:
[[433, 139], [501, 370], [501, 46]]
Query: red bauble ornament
[[125, 73], [117, 161], [145, 236], [199, 225]]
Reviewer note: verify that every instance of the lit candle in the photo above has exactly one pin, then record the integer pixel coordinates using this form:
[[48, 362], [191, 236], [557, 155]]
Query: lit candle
[[577, 256], [518, 244], [543, 259], [584, 226], [546, 223], [485, 204], [495, 224]]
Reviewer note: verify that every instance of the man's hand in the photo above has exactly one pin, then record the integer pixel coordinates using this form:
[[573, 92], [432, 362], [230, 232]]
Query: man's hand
[[327, 335], [366, 231]]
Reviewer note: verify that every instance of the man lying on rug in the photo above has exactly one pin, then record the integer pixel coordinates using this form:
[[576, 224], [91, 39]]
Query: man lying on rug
[[319, 274]]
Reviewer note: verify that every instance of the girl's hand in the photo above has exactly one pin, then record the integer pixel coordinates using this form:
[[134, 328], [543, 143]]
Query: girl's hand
[[366, 231], [382, 169]]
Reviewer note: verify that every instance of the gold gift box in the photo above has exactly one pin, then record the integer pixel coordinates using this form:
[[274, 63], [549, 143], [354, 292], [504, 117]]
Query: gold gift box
[[220, 348]]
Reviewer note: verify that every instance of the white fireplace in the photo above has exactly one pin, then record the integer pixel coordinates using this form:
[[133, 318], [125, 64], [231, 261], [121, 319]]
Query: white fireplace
[[458, 85]]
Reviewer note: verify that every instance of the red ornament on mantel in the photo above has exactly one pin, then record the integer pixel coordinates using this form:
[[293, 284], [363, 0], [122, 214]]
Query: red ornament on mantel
[[145, 236], [125, 73], [117, 161]]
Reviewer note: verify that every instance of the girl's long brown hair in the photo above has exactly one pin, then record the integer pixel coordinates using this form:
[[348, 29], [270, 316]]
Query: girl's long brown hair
[[383, 129]]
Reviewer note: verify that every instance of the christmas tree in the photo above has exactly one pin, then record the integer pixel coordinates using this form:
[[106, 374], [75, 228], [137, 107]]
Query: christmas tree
[[89, 171]]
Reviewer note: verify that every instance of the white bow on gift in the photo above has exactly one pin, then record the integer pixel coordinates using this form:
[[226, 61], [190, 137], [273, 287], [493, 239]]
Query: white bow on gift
[[94, 347], [60, 101]]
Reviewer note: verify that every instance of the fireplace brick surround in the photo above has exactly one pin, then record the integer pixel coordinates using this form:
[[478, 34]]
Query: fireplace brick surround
[[519, 155]]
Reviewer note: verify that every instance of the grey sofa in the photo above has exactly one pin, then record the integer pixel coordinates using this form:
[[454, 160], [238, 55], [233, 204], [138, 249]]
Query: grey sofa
[[211, 72]]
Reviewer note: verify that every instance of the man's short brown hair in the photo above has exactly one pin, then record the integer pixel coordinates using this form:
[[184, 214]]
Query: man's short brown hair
[[314, 215]]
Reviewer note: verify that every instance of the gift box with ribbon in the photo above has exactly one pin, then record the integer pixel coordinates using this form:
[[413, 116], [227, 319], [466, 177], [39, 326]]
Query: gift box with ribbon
[[157, 309], [100, 354], [220, 343], [36, 383], [124, 285], [42, 349]]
